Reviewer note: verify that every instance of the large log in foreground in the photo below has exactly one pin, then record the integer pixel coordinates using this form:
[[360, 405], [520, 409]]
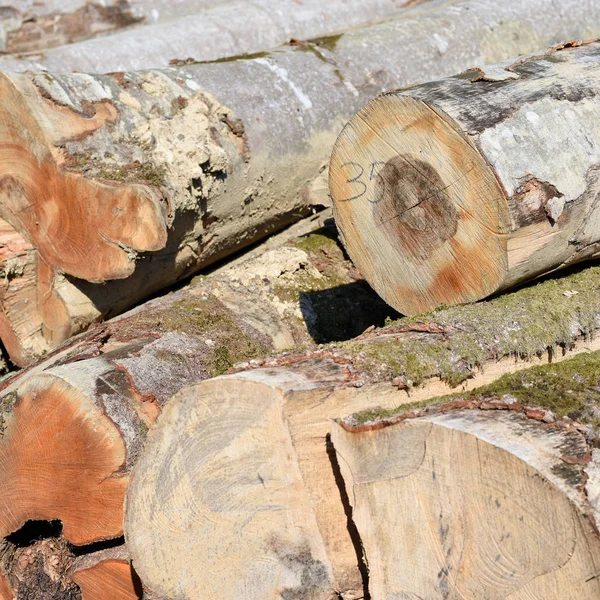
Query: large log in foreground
[[484, 496], [450, 191], [119, 185], [73, 426], [237, 477]]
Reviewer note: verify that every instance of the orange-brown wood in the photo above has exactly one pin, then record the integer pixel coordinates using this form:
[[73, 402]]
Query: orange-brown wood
[[60, 459], [5, 590], [114, 579], [81, 227]]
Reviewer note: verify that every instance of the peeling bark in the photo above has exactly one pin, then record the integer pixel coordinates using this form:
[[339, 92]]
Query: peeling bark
[[475, 183], [209, 157]]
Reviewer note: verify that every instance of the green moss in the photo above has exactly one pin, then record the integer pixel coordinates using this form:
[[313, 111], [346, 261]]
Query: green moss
[[567, 388], [524, 323], [91, 166], [329, 42], [203, 319], [233, 58], [321, 240], [570, 388]]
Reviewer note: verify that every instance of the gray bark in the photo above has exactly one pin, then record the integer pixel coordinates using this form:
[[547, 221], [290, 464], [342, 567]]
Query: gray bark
[[221, 154]]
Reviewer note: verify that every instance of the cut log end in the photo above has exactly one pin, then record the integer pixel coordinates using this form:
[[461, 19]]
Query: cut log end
[[502, 508], [224, 491], [114, 576], [61, 459], [424, 217]]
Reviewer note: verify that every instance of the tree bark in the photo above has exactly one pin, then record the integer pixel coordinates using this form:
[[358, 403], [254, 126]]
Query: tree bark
[[225, 30], [32, 26], [518, 518], [72, 426], [195, 502], [451, 191], [209, 157]]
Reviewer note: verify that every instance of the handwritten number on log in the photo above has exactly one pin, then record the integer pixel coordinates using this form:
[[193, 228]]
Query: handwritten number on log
[[354, 178], [356, 172], [376, 167]]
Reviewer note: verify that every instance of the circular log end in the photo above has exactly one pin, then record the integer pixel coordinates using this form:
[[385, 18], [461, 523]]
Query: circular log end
[[421, 213], [216, 507], [61, 459], [501, 510]]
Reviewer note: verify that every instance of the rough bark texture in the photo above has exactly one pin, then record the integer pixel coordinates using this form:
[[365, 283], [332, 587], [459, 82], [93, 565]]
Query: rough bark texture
[[193, 503], [519, 516], [225, 30], [138, 179], [45, 566], [451, 191], [73, 425]]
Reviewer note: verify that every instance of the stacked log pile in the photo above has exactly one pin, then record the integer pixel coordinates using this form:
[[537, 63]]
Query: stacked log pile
[[116, 186], [74, 424], [275, 429]]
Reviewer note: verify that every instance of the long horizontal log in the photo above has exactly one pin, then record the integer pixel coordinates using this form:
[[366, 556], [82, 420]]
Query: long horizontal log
[[31, 26], [239, 469], [73, 425], [451, 191], [519, 516], [209, 157], [225, 30]]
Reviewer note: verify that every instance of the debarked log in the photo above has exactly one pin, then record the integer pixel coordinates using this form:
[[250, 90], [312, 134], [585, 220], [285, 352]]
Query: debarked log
[[451, 191]]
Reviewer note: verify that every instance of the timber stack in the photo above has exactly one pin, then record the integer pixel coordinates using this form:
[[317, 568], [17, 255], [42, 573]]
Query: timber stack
[[117, 186], [276, 428]]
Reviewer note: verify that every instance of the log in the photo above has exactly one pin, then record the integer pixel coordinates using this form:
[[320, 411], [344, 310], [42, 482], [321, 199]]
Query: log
[[449, 192], [30, 26], [105, 570], [73, 425], [210, 157], [518, 518], [211, 474], [225, 30]]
